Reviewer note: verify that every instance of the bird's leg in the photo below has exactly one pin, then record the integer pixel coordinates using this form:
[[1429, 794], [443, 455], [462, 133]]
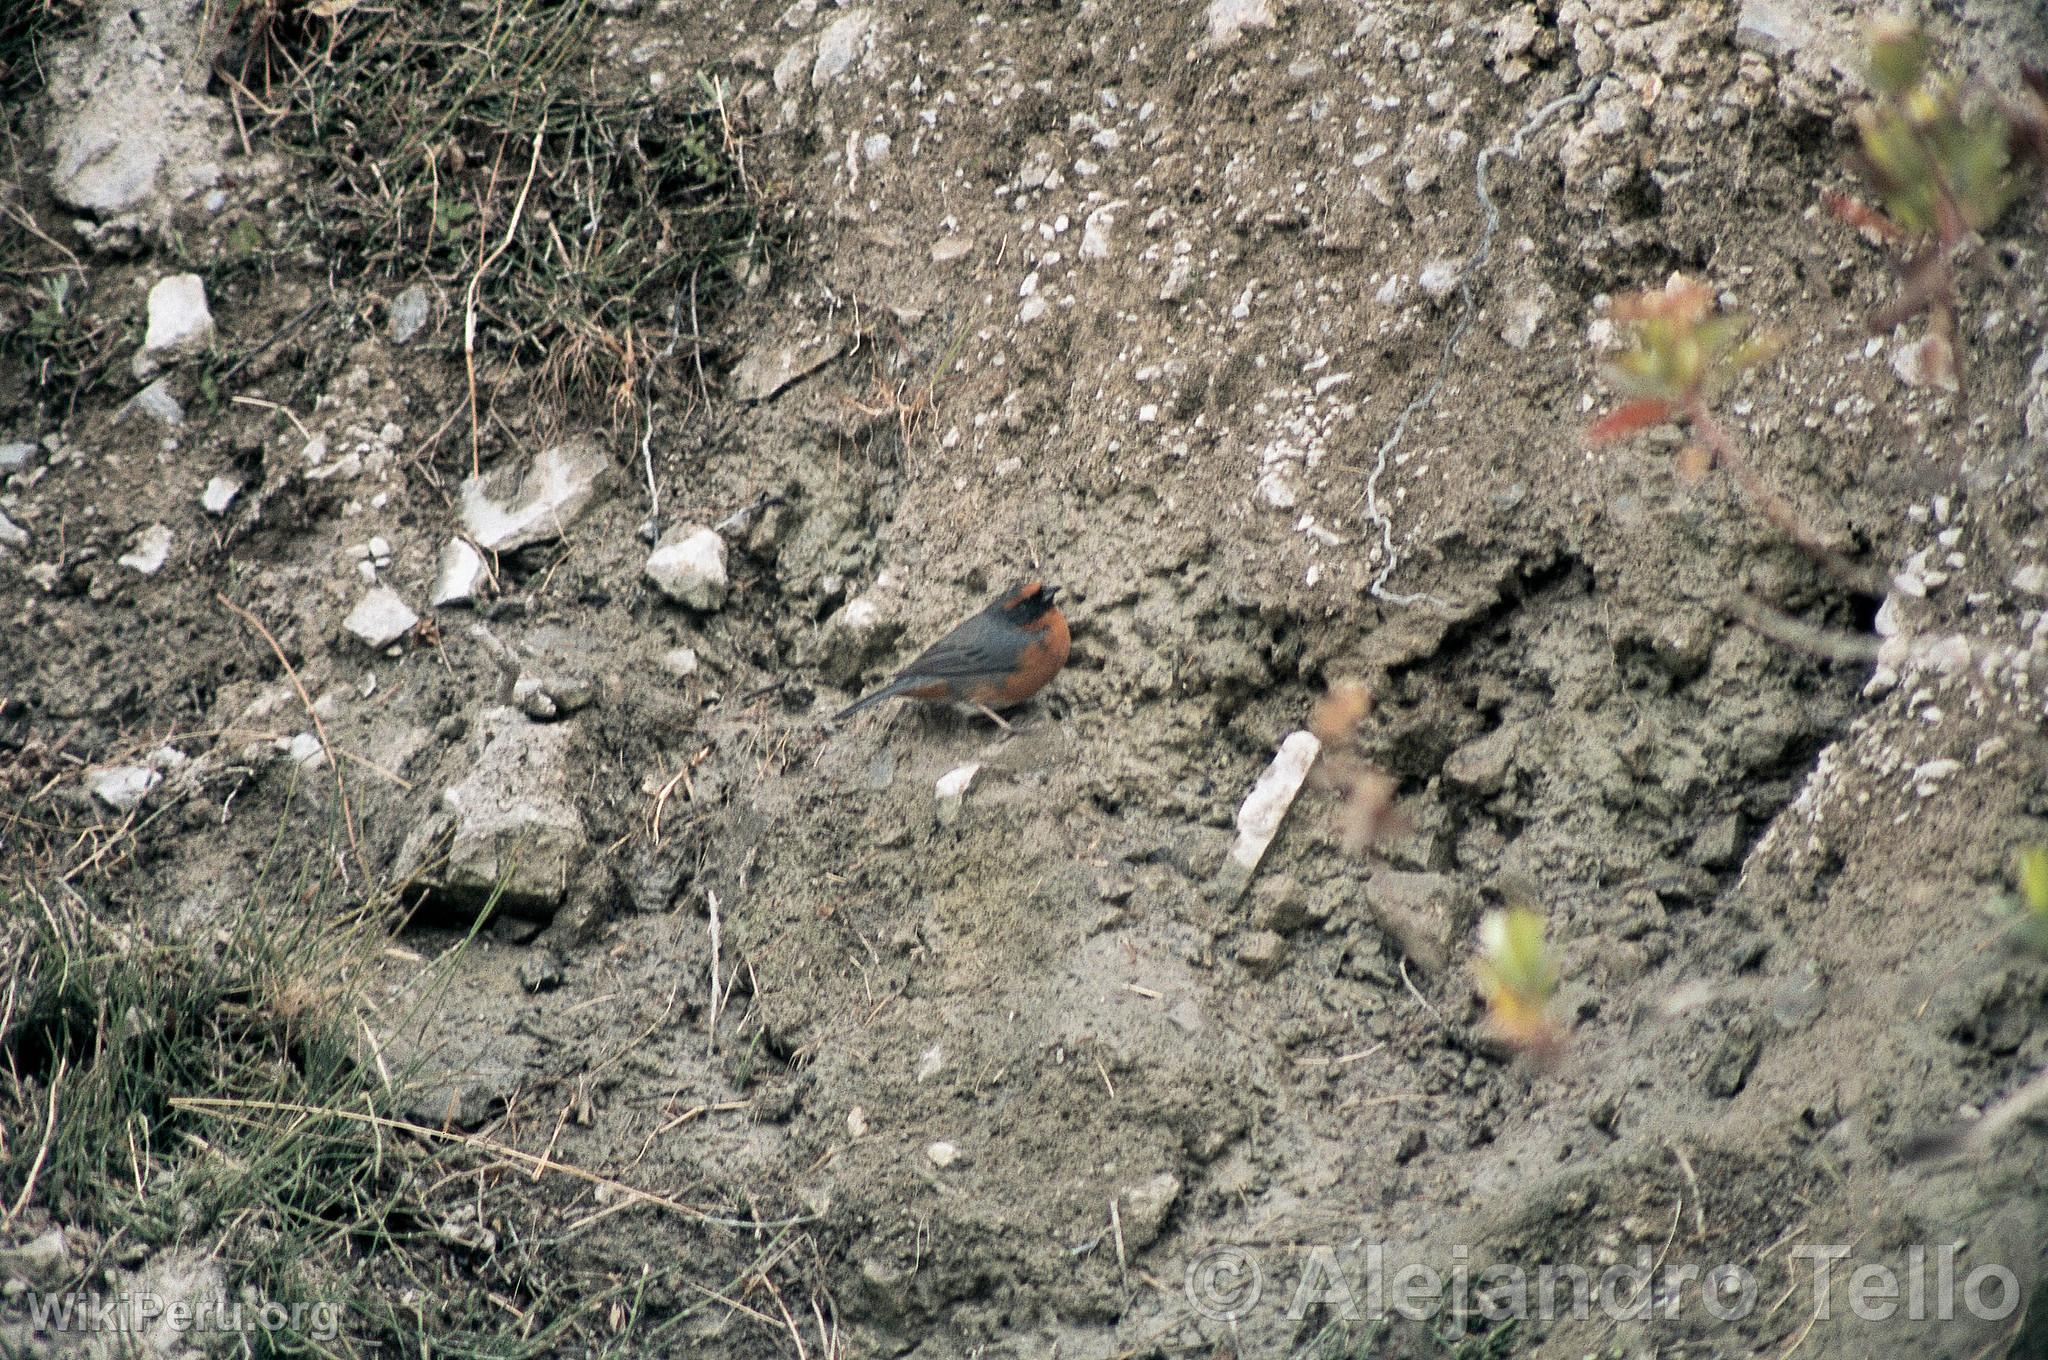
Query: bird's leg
[[994, 717]]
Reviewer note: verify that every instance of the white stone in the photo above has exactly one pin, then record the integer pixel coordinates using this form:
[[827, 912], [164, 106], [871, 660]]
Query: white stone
[[1229, 19], [179, 322], [2031, 579], [1276, 490], [951, 790], [16, 456], [12, 535], [942, 1154], [1926, 362], [688, 566], [1936, 770], [1948, 655], [219, 494], [380, 618], [152, 549], [122, 787], [305, 751], [459, 574], [795, 61], [1095, 231], [409, 314], [557, 488], [681, 662], [1258, 820]]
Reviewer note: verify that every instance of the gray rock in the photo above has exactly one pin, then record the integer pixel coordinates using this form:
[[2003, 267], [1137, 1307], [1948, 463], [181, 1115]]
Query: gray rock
[[156, 402], [1721, 842], [12, 535], [681, 662], [558, 487], [1483, 766], [851, 638], [533, 699], [511, 821], [380, 618], [101, 172], [1262, 953], [840, 46], [38, 1262], [16, 457], [1726, 1071], [542, 972], [768, 368], [688, 566], [545, 698], [1281, 905], [1144, 1207], [1438, 279], [1772, 27], [1422, 913], [795, 62]]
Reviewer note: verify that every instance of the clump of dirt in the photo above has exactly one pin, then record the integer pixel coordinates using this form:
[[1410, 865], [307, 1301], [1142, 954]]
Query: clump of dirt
[[1271, 335]]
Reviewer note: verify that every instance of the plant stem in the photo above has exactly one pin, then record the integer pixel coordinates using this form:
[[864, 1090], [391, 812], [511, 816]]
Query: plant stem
[[1766, 501]]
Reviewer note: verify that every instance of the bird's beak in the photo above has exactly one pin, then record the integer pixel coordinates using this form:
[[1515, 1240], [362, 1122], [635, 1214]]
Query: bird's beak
[[1046, 593]]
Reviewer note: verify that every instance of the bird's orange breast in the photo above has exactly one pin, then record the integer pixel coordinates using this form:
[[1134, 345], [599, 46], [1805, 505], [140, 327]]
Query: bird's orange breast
[[1038, 662]]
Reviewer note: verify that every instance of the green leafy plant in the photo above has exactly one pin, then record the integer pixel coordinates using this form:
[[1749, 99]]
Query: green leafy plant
[[1946, 159], [2025, 910], [1517, 978], [1680, 353], [44, 324]]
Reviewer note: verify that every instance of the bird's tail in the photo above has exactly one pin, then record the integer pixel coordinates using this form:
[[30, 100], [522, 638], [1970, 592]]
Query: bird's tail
[[888, 691]]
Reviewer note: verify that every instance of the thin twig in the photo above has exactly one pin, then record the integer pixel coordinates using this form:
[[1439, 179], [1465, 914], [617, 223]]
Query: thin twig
[[1775, 509], [348, 816], [281, 334], [1414, 992], [35, 1169], [1699, 1211], [476, 281], [1847, 648], [711, 1025], [269, 405]]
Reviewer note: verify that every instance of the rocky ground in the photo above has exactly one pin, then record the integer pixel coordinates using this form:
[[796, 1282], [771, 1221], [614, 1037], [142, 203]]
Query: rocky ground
[[1206, 313]]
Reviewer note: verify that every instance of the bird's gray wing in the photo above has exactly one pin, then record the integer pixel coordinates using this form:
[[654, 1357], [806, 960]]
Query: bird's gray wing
[[957, 657]]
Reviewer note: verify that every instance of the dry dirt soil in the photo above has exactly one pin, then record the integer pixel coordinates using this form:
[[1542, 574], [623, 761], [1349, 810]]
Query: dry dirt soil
[[1202, 313]]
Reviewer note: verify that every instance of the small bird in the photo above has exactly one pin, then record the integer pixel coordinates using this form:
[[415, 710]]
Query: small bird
[[997, 659]]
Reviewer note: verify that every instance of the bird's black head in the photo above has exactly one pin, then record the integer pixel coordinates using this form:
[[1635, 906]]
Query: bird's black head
[[1027, 604]]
